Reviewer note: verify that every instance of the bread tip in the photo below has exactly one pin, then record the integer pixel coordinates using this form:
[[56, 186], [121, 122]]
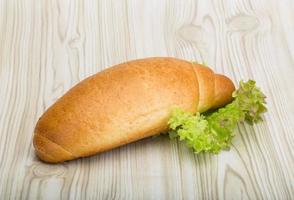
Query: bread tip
[[224, 88]]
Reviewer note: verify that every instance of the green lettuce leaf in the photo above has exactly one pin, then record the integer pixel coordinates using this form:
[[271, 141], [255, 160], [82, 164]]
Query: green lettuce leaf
[[213, 132]]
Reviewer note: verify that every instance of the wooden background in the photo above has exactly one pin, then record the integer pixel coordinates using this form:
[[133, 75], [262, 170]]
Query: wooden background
[[47, 46]]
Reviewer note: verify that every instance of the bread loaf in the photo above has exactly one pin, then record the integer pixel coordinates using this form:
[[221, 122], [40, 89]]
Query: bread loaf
[[125, 103]]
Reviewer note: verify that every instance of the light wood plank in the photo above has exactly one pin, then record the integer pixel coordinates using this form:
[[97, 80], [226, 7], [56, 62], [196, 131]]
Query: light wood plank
[[48, 46]]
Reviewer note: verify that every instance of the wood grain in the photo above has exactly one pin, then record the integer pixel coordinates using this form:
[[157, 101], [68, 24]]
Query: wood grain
[[48, 46]]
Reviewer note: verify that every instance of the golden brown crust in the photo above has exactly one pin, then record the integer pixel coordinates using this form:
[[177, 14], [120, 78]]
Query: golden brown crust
[[124, 103], [205, 78], [42, 145], [223, 90]]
